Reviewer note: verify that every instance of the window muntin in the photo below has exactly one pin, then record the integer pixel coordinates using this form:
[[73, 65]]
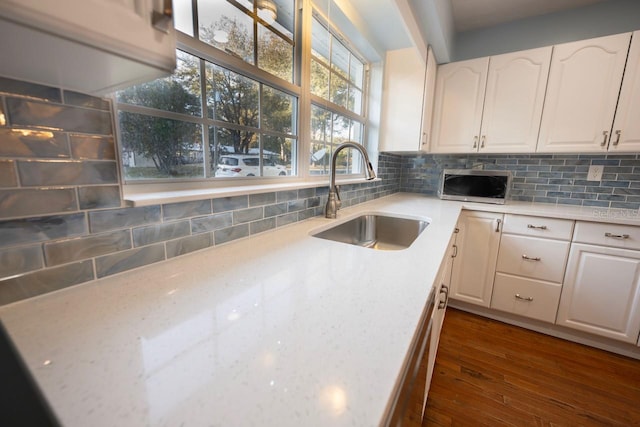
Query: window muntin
[[337, 75], [328, 130]]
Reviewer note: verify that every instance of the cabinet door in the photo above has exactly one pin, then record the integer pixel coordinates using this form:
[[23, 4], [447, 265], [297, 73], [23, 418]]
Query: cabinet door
[[460, 88], [601, 292], [427, 103], [93, 46], [404, 93], [626, 128], [582, 93], [475, 265], [513, 102]]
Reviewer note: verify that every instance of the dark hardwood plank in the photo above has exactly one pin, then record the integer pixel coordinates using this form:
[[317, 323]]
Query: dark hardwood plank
[[489, 373]]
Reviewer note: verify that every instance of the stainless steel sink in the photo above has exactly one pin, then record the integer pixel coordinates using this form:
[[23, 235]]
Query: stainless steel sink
[[376, 231]]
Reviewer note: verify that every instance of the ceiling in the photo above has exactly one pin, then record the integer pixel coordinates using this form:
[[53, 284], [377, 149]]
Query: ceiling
[[476, 14]]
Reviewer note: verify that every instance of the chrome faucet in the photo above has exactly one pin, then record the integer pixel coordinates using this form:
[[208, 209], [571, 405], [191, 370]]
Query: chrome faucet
[[334, 203]]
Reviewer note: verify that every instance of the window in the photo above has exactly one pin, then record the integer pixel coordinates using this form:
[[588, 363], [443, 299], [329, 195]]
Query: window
[[337, 80], [230, 110]]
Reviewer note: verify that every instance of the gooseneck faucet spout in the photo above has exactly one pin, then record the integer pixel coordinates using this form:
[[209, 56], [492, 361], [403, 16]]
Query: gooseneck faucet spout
[[334, 203]]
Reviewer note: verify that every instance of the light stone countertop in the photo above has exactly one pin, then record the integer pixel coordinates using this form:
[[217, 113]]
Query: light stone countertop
[[279, 329]]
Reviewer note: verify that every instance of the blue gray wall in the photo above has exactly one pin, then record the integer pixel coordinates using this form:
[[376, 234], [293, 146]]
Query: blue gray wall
[[62, 219], [600, 19]]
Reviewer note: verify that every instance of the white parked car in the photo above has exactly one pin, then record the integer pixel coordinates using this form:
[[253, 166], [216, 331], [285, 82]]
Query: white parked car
[[233, 165]]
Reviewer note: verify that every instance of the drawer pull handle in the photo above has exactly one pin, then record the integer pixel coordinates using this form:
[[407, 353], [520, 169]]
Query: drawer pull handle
[[498, 221], [537, 227], [616, 236], [528, 258], [528, 299]]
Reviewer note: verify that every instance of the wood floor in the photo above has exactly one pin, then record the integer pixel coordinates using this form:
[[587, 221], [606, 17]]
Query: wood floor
[[488, 373]]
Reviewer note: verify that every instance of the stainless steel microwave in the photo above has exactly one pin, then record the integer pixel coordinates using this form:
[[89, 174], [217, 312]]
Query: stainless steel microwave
[[475, 185]]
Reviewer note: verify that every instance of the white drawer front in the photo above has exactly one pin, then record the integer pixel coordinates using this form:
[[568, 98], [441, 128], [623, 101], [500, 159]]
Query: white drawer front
[[526, 297], [536, 226], [614, 235], [531, 257]]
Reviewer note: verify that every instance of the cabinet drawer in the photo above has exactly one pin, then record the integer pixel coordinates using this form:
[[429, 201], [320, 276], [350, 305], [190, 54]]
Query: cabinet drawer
[[615, 235], [531, 257], [526, 297], [536, 226]]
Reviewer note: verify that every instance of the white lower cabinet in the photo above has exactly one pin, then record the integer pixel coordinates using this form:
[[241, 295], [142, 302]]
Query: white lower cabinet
[[531, 264], [531, 298], [478, 241], [601, 292]]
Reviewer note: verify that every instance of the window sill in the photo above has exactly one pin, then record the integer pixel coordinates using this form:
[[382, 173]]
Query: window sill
[[138, 198]]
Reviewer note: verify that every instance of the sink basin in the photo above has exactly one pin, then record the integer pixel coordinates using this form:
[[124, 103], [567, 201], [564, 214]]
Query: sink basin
[[376, 231]]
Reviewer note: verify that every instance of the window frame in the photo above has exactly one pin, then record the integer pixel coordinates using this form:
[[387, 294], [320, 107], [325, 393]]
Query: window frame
[[299, 88]]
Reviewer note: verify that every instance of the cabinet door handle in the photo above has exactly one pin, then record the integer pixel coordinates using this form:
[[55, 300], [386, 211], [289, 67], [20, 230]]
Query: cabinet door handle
[[484, 137], [537, 227], [163, 21], [455, 251], [617, 236], [617, 141], [605, 134], [521, 298], [528, 258], [475, 142], [498, 221]]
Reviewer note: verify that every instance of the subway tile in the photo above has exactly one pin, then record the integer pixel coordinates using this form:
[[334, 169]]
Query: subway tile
[[20, 260], [559, 194], [112, 219], [31, 90], [232, 233], [625, 205], [596, 189], [247, 215], [566, 201], [313, 202], [211, 222], [63, 172], [8, 177], [224, 204], [189, 244], [62, 117], [39, 229], [286, 219], [626, 191], [611, 197], [19, 202], [618, 184], [99, 197], [62, 252], [127, 260], [595, 203], [82, 100], [305, 193], [262, 225], [44, 281], [274, 210], [161, 232], [545, 200], [607, 162], [306, 214], [285, 196], [296, 205], [584, 196], [33, 143], [186, 209], [92, 147], [262, 199]]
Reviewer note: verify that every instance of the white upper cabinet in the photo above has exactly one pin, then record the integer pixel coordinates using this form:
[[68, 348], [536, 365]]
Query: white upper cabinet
[[626, 127], [460, 88], [501, 117], [584, 82], [92, 46], [408, 100], [513, 102]]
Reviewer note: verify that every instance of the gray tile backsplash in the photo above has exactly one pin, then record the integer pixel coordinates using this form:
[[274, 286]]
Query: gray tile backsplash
[[541, 178], [62, 218], [33, 144]]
